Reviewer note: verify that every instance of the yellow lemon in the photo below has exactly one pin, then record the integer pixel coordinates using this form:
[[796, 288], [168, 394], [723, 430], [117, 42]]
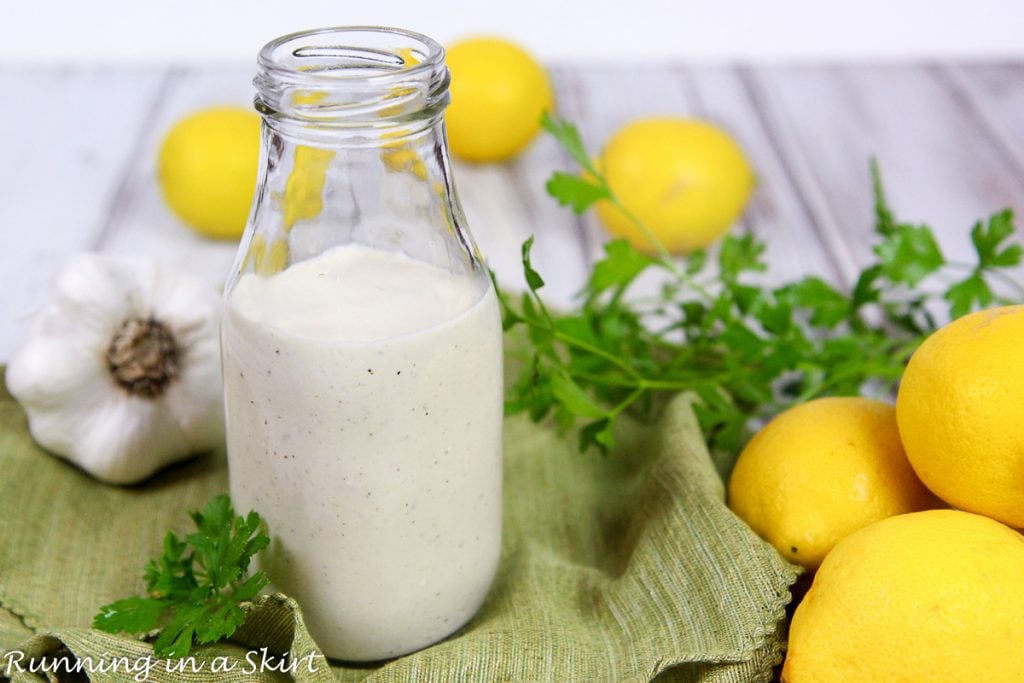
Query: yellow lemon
[[961, 411], [499, 93], [686, 180], [207, 169], [820, 471], [930, 597]]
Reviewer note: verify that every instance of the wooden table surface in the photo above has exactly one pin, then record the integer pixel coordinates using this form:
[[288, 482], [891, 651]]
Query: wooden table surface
[[79, 148]]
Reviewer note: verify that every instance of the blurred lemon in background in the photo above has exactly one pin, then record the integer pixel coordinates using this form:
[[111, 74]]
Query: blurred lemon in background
[[822, 470], [207, 169], [686, 180], [498, 95], [961, 410]]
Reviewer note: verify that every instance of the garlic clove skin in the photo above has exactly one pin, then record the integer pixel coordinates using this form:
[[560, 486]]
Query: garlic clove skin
[[55, 422], [120, 440], [90, 293], [71, 365], [120, 373], [195, 409]]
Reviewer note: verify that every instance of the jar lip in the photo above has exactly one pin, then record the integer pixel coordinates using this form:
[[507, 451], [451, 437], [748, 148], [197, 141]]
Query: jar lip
[[389, 65], [352, 77]]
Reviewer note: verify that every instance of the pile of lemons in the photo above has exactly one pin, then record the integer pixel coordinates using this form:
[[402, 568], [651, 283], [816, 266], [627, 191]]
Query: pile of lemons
[[907, 514]]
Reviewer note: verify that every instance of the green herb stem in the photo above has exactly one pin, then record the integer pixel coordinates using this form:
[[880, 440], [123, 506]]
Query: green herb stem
[[599, 352]]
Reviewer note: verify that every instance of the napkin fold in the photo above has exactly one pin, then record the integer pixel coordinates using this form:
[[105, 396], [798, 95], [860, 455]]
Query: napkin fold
[[621, 568]]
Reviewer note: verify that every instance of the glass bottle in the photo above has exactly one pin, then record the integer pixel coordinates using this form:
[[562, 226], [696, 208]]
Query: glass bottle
[[362, 351]]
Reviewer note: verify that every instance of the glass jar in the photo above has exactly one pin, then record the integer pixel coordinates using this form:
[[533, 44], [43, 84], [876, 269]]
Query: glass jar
[[362, 349]]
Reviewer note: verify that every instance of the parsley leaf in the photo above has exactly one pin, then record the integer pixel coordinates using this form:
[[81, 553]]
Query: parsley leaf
[[884, 221], [988, 240], [620, 266], [739, 255], [577, 401], [130, 615], [965, 295], [827, 306], [909, 254], [196, 585], [574, 191], [533, 278]]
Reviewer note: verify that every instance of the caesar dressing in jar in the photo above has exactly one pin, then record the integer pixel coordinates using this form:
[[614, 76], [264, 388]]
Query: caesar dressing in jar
[[362, 349]]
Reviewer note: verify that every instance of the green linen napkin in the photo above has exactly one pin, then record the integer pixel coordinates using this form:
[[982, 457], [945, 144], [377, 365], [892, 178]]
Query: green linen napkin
[[620, 568]]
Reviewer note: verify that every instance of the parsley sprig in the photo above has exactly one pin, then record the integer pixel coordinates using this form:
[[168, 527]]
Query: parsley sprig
[[194, 589], [746, 350]]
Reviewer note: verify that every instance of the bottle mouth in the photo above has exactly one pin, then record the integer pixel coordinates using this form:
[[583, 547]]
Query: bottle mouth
[[352, 76]]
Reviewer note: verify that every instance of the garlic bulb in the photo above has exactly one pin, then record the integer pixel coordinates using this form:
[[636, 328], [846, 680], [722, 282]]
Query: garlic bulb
[[120, 373]]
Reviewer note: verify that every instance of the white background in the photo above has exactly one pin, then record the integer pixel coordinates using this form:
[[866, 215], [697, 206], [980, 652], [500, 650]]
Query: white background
[[40, 32]]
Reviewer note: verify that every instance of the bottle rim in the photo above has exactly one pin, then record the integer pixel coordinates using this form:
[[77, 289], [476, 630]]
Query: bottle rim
[[352, 75]]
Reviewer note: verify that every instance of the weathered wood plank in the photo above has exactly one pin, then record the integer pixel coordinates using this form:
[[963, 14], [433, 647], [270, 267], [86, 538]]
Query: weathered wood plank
[[939, 165], [68, 135], [994, 96], [777, 213]]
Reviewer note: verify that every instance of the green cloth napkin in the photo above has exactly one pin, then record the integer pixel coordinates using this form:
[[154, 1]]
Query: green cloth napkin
[[620, 568]]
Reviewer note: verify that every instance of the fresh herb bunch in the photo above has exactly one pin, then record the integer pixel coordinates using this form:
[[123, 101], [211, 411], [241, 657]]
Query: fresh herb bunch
[[747, 351], [196, 586]]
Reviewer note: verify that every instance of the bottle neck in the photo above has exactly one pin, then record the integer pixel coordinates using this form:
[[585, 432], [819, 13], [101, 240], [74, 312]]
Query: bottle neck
[[353, 177], [354, 151], [352, 135], [352, 85]]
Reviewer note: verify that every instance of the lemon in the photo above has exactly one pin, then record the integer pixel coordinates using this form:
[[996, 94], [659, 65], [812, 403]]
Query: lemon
[[686, 180], [499, 93], [820, 471], [207, 169], [931, 596], [961, 411]]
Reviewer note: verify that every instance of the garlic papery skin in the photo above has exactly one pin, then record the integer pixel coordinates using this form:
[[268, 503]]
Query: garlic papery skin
[[120, 373]]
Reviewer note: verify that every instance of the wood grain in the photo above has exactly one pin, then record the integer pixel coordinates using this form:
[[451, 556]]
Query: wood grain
[[939, 163], [68, 136], [778, 213]]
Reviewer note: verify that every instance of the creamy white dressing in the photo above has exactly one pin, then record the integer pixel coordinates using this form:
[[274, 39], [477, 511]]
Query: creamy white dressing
[[363, 398]]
